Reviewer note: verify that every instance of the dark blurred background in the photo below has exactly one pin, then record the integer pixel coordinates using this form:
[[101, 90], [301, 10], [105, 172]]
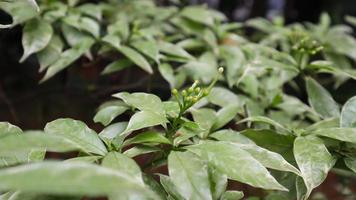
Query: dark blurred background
[[77, 91]]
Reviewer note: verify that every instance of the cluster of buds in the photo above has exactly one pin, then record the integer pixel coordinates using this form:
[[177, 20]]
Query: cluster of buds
[[304, 44], [188, 97]]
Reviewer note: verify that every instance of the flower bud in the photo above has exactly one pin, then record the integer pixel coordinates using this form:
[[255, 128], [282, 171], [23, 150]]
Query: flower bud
[[195, 99], [174, 91], [197, 90], [190, 90], [189, 99], [184, 93], [221, 70], [205, 92]]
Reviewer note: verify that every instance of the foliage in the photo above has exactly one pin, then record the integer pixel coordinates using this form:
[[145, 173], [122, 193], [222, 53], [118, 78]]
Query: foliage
[[237, 123]]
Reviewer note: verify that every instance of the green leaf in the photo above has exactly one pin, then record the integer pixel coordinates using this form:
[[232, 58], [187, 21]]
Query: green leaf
[[107, 114], [8, 129], [231, 136], [73, 36], [20, 11], [189, 174], [136, 58], [170, 188], [113, 40], [36, 36], [121, 27], [174, 50], [234, 59], [267, 158], [141, 149], [273, 141], [351, 20], [112, 132], [91, 10], [204, 117], [147, 47], [142, 101], [167, 73], [348, 114], [301, 188], [78, 133], [350, 163], [218, 182], [198, 14], [232, 195], [261, 24], [221, 96], [89, 25], [87, 159], [67, 58], [342, 134], [228, 157], [148, 137], [154, 186], [144, 119], [122, 163], [51, 53], [65, 178], [263, 119], [225, 115], [314, 161], [326, 123], [34, 141], [116, 66], [321, 100]]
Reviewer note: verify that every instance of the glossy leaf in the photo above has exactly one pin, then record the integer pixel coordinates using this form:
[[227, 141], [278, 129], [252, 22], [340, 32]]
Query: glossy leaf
[[144, 119], [348, 114], [174, 50], [170, 188], [148, 137], [7, 129], [20, 11], [51, 53], [142, 101], [87, 159], [107, 114], [189, 174], [141, 149], [78, 133], [148, 47], [321, 100], [228, 157], [263, 119], [314, 161], [204, 117], [116, 66], [231, 136], [67, 58], [225, 115], [36, 36], [113, 131], [69, 179], [232, 195], [342, 134], [222, 97], [267, 158], [218, 182], [122, 163], [31, 141], [198, 14], [136, 58]]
